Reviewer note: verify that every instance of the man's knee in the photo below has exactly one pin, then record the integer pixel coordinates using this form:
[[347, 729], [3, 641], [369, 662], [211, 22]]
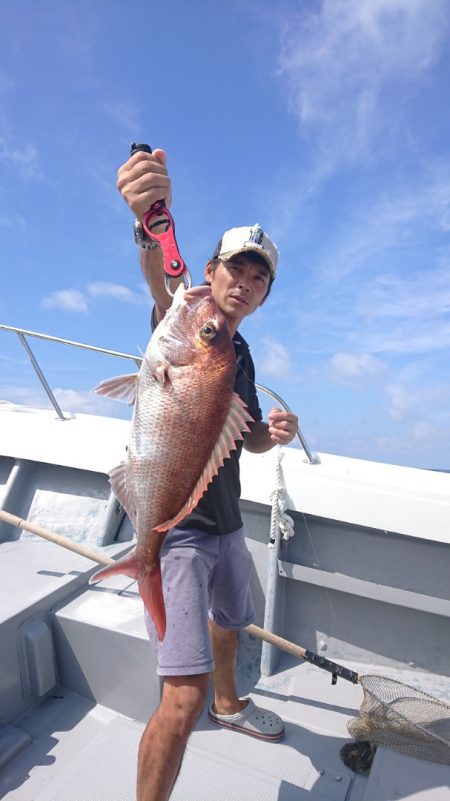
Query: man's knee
[[182, 702], [220, 632]]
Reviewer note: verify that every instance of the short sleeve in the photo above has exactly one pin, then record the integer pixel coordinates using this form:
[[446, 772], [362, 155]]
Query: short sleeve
[[245, 378], [253, 403]]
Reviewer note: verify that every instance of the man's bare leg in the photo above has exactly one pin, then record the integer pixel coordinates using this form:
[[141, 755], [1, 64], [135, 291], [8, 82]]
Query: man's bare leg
[[166, 734], [225, 646]]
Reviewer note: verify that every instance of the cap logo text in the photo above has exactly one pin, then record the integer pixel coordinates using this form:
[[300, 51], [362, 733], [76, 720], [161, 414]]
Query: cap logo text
[[256, 235]]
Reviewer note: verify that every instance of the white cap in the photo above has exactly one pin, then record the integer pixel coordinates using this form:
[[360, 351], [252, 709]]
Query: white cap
[[248, 238]]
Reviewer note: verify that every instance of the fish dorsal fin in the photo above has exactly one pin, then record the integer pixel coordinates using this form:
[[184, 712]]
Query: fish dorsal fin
[[235, 424], [118, 481], [121, 387]]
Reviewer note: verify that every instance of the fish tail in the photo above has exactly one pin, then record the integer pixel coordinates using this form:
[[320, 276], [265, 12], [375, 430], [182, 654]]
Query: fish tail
[[128, 566], [149, 582], [151, 592]]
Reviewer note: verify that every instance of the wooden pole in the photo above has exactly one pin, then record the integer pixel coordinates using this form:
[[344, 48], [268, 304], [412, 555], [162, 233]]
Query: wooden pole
[[274, 639], [81, 550]]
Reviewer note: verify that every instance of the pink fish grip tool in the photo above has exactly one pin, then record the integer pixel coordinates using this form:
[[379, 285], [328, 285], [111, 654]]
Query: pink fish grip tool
[[174, 265]]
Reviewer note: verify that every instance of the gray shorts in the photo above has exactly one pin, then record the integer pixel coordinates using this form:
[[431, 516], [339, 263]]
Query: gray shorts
[[203, 575]]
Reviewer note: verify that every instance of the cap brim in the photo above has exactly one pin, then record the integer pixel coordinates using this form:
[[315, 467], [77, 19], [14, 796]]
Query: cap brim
[[246, 249]]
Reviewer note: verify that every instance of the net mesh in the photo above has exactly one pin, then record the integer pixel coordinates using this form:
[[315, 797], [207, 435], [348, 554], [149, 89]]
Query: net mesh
[[403, 718]]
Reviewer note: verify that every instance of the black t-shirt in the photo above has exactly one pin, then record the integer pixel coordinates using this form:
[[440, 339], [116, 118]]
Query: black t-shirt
[[218, 511]]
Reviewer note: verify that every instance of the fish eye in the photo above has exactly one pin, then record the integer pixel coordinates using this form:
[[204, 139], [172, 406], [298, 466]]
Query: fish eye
[[208, 331]]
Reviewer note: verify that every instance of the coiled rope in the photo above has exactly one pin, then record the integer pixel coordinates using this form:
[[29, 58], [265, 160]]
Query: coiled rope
[[280, 521]]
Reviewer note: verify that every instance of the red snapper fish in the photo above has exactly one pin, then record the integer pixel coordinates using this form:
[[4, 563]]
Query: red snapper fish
[[186, 421]]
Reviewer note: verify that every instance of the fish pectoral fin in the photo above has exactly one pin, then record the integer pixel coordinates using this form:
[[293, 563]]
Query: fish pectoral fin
[[118, 481], [121, 387], [236, 422]]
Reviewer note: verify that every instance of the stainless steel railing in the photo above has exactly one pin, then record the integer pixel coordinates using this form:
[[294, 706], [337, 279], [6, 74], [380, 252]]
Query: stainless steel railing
[[22, 333]]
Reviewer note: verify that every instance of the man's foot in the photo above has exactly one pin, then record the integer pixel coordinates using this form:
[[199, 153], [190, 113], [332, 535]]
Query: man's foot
[[260, 723]]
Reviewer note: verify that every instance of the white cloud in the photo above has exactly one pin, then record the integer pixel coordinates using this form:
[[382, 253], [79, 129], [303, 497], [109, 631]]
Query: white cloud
[[341, 61], [116, 291], [5, 82], [423, 431], [384, 317], [427, 199], [76, 301], [346, 368], [127, 115], [69, 34], [352, 71], [13, 222], [402, 218], [66, 299], [23, 158], [422, 296], [87, 402], [401, 400], [408, 339], [275, 360], [385, 287], [409, 315], [22, 395], [416, 399], [11, 360], [69, 400]]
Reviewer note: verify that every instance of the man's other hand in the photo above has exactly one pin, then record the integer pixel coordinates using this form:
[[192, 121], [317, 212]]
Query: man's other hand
[[282, 426]]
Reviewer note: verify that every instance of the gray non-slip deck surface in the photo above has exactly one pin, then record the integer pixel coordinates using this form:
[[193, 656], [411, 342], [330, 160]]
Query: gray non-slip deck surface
[[81, 752], [84, 752], [396, 776], [108, 771]]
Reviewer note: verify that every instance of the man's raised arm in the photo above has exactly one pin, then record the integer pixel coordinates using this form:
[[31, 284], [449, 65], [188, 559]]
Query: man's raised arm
[[142, 181]]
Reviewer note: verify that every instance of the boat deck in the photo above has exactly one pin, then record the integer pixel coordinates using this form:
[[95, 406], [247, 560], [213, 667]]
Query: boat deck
[[77, 749]]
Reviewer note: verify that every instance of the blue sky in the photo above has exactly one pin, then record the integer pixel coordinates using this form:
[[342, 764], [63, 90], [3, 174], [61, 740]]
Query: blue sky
[[327, 122]]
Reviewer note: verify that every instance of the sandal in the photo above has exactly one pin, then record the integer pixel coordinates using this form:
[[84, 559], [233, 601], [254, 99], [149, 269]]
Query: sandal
[[260, 723]]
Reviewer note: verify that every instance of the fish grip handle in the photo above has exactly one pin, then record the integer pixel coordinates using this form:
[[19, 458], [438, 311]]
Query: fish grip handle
[[337, 671], [174, 265]]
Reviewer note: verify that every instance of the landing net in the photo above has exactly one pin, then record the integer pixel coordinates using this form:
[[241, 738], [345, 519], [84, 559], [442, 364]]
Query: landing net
[[401, 717]]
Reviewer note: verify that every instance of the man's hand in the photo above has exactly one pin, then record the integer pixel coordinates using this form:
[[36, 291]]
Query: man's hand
[[282, 426], [281, 429], [143, 180]]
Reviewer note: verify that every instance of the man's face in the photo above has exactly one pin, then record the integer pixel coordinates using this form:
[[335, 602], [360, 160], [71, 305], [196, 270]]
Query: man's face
[[238, 286]]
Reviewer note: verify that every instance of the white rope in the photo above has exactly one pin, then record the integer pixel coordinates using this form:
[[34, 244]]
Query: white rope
[[279, 519]]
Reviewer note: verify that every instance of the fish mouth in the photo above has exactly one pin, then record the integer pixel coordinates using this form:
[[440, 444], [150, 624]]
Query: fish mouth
[[197, 292], [190, 295]]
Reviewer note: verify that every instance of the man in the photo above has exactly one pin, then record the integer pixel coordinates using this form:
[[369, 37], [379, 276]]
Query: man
[[205, 563]]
